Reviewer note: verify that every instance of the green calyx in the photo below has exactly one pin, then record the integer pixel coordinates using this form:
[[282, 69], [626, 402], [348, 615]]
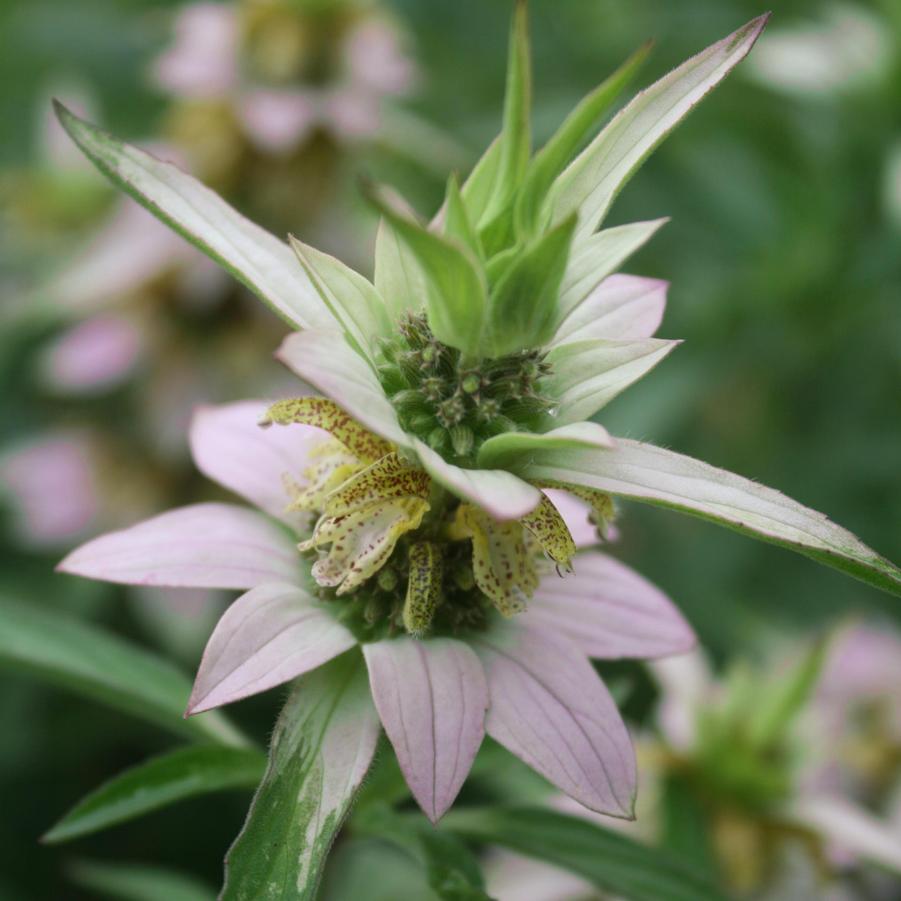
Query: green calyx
[[455, 404]]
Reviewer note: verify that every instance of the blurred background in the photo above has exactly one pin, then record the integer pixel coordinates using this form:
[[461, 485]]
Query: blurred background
[[784, 253]]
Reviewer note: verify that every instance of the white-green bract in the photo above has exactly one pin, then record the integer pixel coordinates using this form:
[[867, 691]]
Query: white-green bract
[[514, 260]]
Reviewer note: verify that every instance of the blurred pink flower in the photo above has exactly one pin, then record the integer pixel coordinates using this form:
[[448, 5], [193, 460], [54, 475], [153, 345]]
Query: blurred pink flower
[[93, 356], [52, 488], [202, 61], [527, 682]]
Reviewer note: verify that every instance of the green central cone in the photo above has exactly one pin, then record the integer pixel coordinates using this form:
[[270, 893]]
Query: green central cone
[[454, 404]]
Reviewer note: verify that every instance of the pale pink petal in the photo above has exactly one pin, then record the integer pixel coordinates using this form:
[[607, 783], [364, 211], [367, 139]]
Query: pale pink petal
[[93, 356], [110, 268], [53, 487], [850, 831], [374, 58], [268, 636], [621, 307], [610, 611], [352, 112], [576, 514], [431, 696], [229, 447], [201, 546], [277, 121], [687, 686], [513, 877], [202, 61], [550, 708]]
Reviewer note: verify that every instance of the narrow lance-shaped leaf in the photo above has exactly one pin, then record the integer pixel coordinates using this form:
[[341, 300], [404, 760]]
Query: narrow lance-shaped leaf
[[515, 138], [134, 882], [557, 152], [255, 257], [352, 300], [597, 256], [523, 305], [453, 289], [457, 224], [321, 749], [591, 182], [158, 782], [84, 659], [611, 861], [651, 474]]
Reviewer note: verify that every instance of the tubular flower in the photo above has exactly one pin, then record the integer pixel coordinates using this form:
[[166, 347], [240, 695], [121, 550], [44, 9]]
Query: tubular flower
[[457, 390]]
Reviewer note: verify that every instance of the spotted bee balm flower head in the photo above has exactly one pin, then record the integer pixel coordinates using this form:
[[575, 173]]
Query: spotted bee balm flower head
[[432, 506]]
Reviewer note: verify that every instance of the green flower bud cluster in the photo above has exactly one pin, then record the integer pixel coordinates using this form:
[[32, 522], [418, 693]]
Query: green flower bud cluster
[[454, 404], [375, 610]]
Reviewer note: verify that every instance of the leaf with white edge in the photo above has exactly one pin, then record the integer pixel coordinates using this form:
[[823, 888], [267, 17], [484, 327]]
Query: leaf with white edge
[[523, 303], [612, 861], [515, 140], [330, 364], [258, 259], [136, 882], [208, 545], [591, 182], [82, 658], [557, 152], [594, 257], [610, 611], [495, 451], [620, 307], [157, 783], [499, 493], [642, 472], [587, 375], [431, 696], [352, 300], [322, 746], [550, 709], [453, 293], [268, 636]]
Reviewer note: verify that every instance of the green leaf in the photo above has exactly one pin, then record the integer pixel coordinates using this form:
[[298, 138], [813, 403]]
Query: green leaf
[[136, 882], [556, 153], [453, 870], [256, 258], [653, 475], [479, 186], [594, 257], [495, 452], [776, 707], [515, 138], [523, 305], [451, 281], [588, 374], [158, 782], [457, 224], [321, 749], [609, 860], [591, 182], [352, 863], [84, 659], [352, 300]]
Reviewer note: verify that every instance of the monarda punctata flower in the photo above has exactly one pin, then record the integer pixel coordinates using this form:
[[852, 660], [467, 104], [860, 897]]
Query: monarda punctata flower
[[410, 507]]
